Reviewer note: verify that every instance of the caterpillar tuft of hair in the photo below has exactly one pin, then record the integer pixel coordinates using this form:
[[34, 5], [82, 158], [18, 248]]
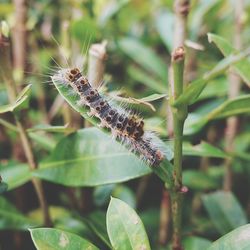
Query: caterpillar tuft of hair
[[125, 126]]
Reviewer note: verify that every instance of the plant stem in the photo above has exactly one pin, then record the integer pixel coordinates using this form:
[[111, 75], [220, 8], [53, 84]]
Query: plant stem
[[5, 63], [179, 116], [181, 9], [233, 91]]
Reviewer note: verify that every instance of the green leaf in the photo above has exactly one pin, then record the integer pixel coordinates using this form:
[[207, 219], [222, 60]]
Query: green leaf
[[125, 194], [224, 210], [44, 141], [147, 79], [236, 106], [203, 149], [194, 123], [55, 239], [242, 67], [144, 56], [237, 239], [53, 129], [194, 89], [196, 243], [153, 97], [164, 24], [21, 98], [15, 174], [197, 180], [3, 187], [11, 218], [97, 223], [199, 13], [89, 157], [105, 10], [125, 228]]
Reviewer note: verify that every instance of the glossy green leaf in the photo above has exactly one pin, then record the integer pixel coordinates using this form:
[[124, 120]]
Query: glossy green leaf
[[144, 56], [15, 174], [90, 157], [203, 149], [125, 228], [196, 243], [147, 79], [21, 98], [194, 89], [11, 218], [55, 239], [224, 210], [236, 106], [242, 67], [237, 239]]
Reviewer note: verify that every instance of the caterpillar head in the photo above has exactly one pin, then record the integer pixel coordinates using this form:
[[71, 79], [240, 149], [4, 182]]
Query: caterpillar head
[[73, 74]]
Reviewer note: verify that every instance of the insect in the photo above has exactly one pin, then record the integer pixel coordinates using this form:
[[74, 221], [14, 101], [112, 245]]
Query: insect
[[124, 125]]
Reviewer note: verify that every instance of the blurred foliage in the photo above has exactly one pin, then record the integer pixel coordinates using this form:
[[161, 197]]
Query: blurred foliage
[[72, 158]]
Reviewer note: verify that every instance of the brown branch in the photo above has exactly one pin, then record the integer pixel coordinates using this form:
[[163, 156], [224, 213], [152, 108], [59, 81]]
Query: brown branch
[[233, 91], [20, 37]]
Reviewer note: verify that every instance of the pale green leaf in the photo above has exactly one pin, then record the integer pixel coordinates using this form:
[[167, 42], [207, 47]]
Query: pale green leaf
[[55, 239], [224, 210], [125, 228], [238, 239]]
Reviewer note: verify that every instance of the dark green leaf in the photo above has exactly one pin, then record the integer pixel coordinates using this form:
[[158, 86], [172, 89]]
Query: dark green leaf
[[55, 239], [147, 79], [203, 149], [144, 56], [125, 228], [224, 210], [22, 97], [197, 180], [3, 187], [194, 89], [237, 239], [49, 128], [11, 218], [242, 67], [196, 243], [15, 174], [236, 106]]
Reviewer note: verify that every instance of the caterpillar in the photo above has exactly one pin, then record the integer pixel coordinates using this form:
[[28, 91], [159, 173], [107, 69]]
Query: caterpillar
[[127, 127]]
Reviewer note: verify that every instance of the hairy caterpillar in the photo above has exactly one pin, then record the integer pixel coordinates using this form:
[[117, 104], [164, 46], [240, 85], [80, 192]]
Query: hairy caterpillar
[[125, 126]]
